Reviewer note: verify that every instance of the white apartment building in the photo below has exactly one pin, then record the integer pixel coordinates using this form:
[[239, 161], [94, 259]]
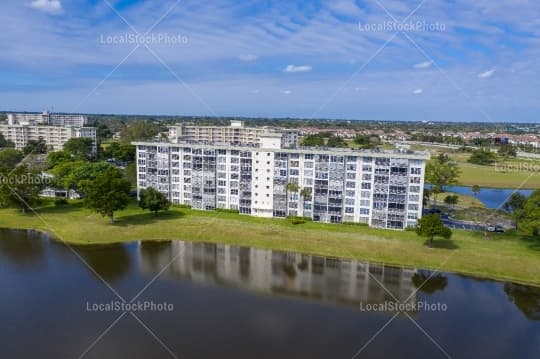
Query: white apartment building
[[235, 134], [55, 129], [46, 118], [381, 188]]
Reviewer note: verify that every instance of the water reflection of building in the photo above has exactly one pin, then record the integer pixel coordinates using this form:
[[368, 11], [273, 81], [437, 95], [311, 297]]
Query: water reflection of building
[[265, 271]]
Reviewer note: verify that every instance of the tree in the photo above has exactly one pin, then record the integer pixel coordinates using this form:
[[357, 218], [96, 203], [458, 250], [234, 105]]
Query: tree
[[305, 194], [366, 141], [9, 158], [120, 151], [35, 147], [107, 193], [515, 205], [432, 226], [291, 187], [20, 187], [69, 175], [80, 148], [530, 219], [153, 200], [56, 157], [313, 140], [441, 174], [452, 199], [482, 156], [139, 130], [5, 143], [507, 150], [475, 190], [130, 173], [335, 141]]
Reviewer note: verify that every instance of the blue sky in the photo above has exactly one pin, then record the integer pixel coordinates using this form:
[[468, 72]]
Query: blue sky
[[456, 60]]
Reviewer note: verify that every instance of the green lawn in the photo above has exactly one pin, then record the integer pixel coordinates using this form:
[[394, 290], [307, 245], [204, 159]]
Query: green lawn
[[510, 173], [505, 256], [464, 201]]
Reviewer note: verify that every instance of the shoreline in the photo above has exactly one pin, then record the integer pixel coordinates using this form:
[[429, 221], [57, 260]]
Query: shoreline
[[477, 275]]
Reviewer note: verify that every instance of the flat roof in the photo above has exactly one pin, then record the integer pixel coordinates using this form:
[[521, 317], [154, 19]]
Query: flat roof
[[417, 155]]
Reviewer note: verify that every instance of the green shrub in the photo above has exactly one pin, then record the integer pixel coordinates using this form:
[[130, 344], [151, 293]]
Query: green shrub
[[187, 206], [60, 202], [296, 219], [359, 224], [226, 210]]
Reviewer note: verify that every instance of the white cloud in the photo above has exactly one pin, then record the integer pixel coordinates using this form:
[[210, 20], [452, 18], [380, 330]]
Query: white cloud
[[293, 68], [423, 65], [286, 92], [248, 57], [47, 6], [418, 91], [486, 74]]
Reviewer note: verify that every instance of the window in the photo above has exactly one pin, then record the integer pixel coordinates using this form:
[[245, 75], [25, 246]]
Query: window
[[364, 211], [414, 198], [416, 171], [366, 185]]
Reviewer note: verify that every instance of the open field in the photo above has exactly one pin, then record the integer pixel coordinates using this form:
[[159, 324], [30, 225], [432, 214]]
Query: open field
[[510, 173], [504, 256]]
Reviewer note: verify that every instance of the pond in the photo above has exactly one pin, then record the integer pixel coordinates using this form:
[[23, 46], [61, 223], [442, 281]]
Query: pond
[[491, 197], [196, 300]]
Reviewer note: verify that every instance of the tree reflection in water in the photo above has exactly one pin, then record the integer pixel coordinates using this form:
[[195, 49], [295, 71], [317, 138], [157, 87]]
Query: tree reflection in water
[[526, 298], [429, 283]]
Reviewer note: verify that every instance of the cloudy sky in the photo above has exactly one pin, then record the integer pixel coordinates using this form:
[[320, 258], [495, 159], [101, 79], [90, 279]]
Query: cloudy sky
[[456, 60]]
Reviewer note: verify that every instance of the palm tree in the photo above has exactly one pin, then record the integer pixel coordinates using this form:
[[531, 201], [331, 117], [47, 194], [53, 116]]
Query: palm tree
[[304, 193], [475, 190], [290, 187]]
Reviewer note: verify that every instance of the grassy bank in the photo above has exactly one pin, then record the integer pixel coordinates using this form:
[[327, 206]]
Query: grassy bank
[[505, 256], [506, 173]]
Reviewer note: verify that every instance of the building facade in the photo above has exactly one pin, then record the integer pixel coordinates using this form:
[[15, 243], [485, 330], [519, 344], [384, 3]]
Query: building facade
[[235, 134], [54, 129], [382, 189], [46, 118]]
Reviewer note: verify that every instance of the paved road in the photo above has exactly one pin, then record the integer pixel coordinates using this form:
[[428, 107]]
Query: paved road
[[454, 223]]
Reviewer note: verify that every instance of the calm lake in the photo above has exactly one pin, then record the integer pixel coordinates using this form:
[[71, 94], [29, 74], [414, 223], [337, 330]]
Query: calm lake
[[491, 197], [219, 301]]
